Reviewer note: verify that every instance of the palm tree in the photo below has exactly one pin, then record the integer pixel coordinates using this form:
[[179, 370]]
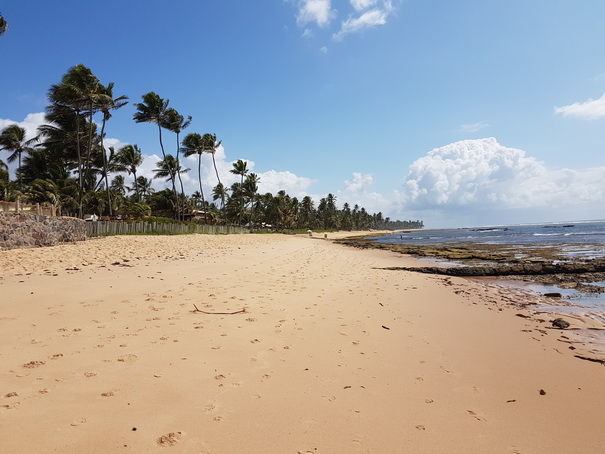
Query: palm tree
[[168, 168], [175, 122], [129, 158], [210, 145], [78, 92], [3, 25], [153, 110], [240, 168], [144, 185], [193, 144], [106, 104], [250, 189], [220, 192], [12, 139]]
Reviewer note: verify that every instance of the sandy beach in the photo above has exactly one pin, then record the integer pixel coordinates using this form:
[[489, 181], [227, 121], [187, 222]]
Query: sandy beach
[[297, 345]]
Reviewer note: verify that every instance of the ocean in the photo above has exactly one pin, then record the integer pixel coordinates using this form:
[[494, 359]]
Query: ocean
[[577, 240], [581, 239]]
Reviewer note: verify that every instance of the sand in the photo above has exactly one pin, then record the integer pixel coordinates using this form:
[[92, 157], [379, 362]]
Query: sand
[[102, 351]]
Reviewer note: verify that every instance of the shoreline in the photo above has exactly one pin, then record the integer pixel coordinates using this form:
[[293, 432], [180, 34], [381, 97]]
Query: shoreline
[[103, 351]]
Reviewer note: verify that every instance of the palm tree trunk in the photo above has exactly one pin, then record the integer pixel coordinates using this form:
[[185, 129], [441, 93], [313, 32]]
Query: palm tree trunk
[[176, 197], [136, 186], [199, 177], [105, 170], [178, 172], [80, 183]]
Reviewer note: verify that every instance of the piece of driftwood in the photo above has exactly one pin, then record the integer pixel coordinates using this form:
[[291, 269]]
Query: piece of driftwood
[[594, 360], [219, 313]]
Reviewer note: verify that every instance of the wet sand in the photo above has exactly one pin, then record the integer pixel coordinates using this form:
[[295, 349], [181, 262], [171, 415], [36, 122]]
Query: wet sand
[[102, 350]]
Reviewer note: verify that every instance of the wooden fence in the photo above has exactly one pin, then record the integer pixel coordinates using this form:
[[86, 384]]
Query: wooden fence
[[25, 208], [144, 227]]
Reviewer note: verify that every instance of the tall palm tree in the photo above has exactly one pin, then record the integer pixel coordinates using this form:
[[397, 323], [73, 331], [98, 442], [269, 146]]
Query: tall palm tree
[[129, 158], [250, 189], [210, 145], [153, 110], [79, 93], [12, 139], [175, 122], [193, 144], [3, 25], [106, 104], [240, 168]]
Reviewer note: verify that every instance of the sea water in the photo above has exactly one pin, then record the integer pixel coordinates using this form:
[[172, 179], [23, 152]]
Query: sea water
[[577, 239]]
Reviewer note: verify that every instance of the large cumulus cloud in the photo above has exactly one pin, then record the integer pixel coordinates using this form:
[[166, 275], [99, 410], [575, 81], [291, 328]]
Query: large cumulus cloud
[[479, 176]]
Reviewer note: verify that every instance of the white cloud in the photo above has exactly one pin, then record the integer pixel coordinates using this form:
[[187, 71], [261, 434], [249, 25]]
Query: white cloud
[[359, 182], [315, 11], [323, 50], [591, 109], [474, 127], [31, 123], [273, 182], [485, 181], [369, 19], [360, 5]]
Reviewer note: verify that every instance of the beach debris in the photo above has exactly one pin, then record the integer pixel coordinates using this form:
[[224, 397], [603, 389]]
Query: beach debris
[[241, 311], [542, 392], [553, 295], [385, 327], [594, 360], [170, 439], [560, 323]]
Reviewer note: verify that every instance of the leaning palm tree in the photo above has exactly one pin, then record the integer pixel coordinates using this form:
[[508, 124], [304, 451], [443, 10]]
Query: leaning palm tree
[[128, 159], [193, 144], [153, 110], [240, 168], [106, 104], [12, 139], [3, 25], [210, 146]]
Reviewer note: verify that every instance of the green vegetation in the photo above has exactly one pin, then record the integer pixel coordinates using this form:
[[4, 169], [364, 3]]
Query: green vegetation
[[68, 166]]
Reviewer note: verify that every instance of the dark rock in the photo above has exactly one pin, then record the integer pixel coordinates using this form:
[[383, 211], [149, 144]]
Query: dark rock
[[553, 295], [542, 392], [560, 323]]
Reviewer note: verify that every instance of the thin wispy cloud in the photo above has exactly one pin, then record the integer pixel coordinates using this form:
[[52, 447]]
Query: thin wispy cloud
[[591, 109], [362, 15], [474, 127]]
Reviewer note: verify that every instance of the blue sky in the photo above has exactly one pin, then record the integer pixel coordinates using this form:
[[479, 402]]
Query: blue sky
[[457, 112]]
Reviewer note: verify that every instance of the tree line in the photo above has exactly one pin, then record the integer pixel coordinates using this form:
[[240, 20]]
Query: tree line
[[67, 165]]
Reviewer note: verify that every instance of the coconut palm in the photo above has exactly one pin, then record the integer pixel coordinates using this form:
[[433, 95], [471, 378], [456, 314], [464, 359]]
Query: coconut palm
[[250, 190], [106, 104], [78, 92], [210, 145], [153, 110], [3, 25], [193, 144], [175, 122], [128, 159], [220, 192], [145, 188], [240, 168], [12, 139], [167, 168]]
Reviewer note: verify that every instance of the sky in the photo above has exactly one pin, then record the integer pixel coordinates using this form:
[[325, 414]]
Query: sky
[[456, 112]]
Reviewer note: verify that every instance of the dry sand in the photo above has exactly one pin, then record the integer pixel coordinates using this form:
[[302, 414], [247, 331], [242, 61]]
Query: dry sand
[[101, 352]]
